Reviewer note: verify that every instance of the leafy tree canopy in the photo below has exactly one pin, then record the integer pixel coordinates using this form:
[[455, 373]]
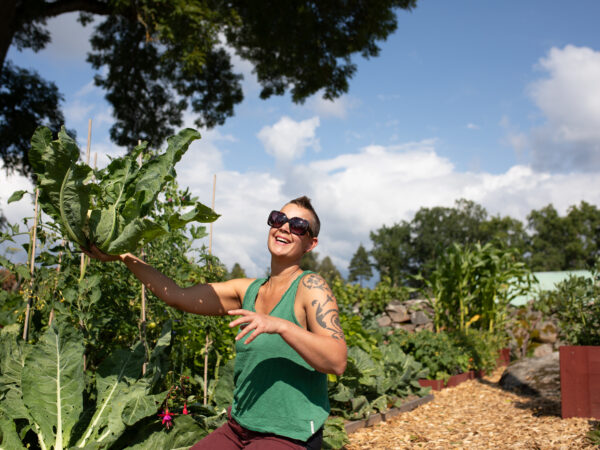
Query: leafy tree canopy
[[160, 58]]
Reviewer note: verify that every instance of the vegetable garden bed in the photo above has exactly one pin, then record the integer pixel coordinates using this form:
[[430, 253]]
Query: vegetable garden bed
[[374, 419], [478, 414]]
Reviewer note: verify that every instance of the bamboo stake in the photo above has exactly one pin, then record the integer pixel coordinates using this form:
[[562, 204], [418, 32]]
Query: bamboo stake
[[143, 294], [213, 208], [208, 342], [31, 267]]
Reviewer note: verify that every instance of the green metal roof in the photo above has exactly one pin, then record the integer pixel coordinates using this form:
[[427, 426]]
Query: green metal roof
[[547, 281]]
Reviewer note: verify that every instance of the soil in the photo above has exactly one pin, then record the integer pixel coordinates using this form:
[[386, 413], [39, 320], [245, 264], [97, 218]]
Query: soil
[[479, 414]]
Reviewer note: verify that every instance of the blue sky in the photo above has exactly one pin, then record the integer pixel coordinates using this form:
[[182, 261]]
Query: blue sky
[[497, 102]]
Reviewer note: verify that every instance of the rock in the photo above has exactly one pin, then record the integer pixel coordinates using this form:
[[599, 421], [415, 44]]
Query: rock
[[397, 312], [384, 321], [543, 350], [534, 376], [419, 318], [426, 326], [548, 333], [406, 327]]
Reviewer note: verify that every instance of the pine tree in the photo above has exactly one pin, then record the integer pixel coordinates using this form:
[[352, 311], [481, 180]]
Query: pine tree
[[360, 267]]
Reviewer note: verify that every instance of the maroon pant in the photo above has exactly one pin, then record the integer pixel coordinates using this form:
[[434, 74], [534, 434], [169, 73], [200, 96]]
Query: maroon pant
[[233, 436]]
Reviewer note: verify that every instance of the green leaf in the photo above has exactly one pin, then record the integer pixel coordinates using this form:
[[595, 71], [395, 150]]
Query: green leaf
[[50, 161], [12, 361], [9, 438], [16, 196], [200, 213], [139, 404], [74, 200], [184, 433], [334, 433], [53, 383], [154, 174], [223, 393], [113, 380]]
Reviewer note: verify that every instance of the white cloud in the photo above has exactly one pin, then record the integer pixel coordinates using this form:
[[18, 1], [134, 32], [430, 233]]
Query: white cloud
[[472, 126], [569, 98], [354, 193], [337, 108], [287, 139]]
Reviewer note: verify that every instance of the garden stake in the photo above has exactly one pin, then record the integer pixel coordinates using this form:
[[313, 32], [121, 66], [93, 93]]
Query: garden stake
[[207, 342], [143, 294], [31, 266]]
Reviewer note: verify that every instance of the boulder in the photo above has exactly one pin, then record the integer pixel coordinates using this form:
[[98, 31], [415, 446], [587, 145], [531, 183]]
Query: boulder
[[547, 332], [419, 318], [426, 326], [534, 376], [397, 312], [543, 350], [405, 326], [384, 321]]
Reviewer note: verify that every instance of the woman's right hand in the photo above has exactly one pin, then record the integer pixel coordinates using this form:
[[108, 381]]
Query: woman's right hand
[[96, 253]]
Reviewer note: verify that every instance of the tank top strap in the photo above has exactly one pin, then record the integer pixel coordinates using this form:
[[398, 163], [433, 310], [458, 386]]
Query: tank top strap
[[252, 293]]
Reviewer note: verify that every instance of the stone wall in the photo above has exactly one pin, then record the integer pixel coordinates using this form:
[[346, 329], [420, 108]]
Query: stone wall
[[410, 315]]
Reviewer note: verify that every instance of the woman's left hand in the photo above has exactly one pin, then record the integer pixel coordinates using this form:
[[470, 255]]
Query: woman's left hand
[[260, 323]]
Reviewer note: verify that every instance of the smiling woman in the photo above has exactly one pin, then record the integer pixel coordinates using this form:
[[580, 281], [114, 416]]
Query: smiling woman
[[290, 337]]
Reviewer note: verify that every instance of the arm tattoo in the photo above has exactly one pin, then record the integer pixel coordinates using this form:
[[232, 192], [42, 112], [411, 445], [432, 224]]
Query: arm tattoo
[[327, 314], [315, 282], [329, 318]]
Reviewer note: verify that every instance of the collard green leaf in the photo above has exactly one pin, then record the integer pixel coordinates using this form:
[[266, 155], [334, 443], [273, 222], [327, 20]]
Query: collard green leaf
[[133, 233], [334, 433], [140, 404], [16, 196], [200, 213], [113, 380], [184, 433], [153, 175], [50, 161], [74, 203], [9, 438], [12, 361], [53, 383], [110, 208], [223, 393]]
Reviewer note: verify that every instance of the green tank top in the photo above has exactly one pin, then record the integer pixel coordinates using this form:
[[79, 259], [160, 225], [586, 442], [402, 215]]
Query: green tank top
[[276, 391]]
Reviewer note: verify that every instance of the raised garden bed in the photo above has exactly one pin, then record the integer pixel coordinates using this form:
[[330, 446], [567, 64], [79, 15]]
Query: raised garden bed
[[455, 380], [374, 419], [580, 381]]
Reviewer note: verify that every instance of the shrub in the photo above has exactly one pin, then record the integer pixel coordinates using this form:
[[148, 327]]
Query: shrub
[[576, 305]]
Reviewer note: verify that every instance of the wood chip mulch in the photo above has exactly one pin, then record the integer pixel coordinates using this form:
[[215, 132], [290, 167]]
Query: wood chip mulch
[[478, 414]]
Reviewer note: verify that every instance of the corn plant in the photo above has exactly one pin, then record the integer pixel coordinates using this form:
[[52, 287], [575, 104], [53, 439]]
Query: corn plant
[[473, 286]]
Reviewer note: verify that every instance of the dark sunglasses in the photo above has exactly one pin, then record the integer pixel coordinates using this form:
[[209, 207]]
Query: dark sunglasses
[[298, 226]]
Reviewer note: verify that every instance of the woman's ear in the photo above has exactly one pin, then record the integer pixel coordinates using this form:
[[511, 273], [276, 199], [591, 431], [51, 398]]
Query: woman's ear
[[313, 243]]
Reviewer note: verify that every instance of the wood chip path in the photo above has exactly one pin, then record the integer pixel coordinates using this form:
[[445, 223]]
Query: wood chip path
[[478, 414]]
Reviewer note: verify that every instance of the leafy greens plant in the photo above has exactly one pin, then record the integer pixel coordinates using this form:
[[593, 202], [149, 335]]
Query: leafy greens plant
[[109, 207]]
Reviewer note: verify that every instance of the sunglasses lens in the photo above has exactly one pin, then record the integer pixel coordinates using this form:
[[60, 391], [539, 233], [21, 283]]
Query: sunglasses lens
[[298, 226], [276, 219]]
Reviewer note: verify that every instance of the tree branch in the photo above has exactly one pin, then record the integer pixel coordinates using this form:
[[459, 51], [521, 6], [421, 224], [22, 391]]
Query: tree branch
[[66, 6]]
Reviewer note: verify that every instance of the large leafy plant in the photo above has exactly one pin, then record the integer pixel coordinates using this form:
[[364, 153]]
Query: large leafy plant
[[43, 393], [110, 207]]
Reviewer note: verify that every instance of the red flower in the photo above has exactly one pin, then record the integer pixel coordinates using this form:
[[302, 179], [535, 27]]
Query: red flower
[[185, 410], [167, 418]]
